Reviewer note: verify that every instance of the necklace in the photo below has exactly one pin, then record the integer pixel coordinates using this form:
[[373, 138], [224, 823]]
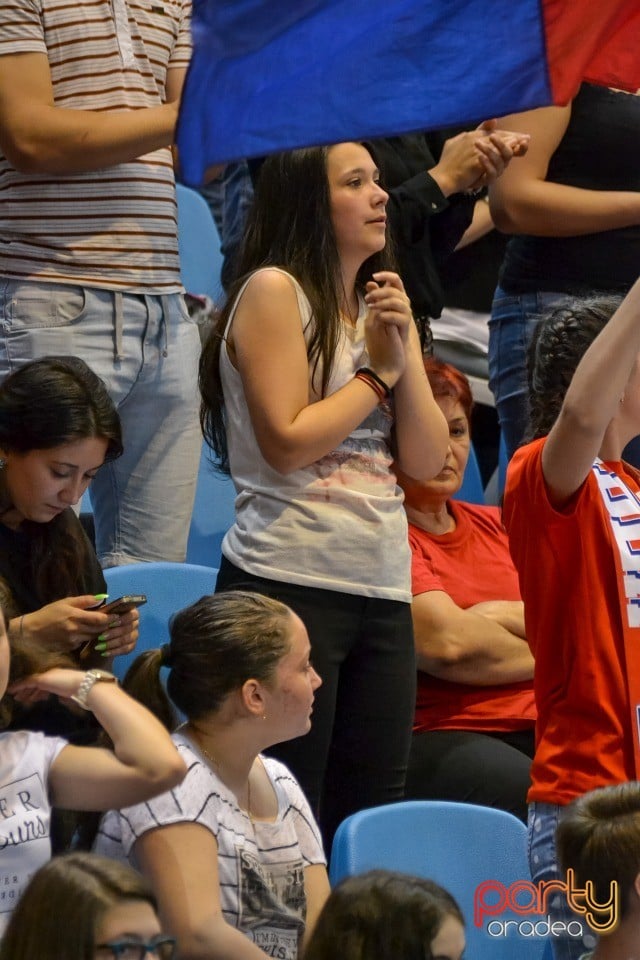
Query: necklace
[[218, 766]]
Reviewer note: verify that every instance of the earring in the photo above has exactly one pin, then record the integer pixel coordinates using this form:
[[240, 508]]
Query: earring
[[3, 463]]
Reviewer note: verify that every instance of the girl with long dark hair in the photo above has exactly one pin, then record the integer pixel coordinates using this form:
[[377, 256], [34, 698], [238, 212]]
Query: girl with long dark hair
[[58, 426], [311, 383]]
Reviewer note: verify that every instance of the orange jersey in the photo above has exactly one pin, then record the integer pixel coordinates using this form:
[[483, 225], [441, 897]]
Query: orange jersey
[[568, 580]]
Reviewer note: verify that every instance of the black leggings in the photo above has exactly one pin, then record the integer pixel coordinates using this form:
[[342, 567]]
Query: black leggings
[[356, 753], [472, 767]]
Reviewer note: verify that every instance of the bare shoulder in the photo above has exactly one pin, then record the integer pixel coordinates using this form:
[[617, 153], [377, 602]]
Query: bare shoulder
[[269, 295], [270, 282]]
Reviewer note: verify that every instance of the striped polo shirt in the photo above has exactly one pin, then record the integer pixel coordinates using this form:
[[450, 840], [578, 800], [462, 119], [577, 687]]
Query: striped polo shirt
[[114, 228]]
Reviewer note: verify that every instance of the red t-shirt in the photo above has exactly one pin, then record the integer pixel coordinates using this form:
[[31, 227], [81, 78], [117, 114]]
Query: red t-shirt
[[470, 564], [567, 572]]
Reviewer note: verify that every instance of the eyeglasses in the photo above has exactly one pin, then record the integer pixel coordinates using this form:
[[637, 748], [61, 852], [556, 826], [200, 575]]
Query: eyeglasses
[[163, 948]]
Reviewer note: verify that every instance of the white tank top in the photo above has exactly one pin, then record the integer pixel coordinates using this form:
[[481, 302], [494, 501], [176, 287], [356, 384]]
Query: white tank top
[[338, 523]]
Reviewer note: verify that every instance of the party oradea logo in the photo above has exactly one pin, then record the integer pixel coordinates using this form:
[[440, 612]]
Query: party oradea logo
[[532, 901]]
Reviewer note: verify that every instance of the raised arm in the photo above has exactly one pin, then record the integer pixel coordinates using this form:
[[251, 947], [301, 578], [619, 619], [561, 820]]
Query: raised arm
[[37, 136], [469, 646], [181, 863], [524, 201], [592, 400], [143, 763], [271, 357]]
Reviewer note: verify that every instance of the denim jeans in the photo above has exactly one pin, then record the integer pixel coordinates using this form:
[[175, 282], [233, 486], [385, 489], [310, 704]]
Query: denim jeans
[[146, 350], [229, 197], [543, 821], [514, 317]]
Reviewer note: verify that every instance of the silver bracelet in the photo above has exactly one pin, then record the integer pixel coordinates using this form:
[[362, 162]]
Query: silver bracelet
[[87, 683]]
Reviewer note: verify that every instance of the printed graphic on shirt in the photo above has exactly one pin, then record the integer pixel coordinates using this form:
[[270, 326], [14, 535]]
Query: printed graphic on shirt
[[24, 819], [272, 904]]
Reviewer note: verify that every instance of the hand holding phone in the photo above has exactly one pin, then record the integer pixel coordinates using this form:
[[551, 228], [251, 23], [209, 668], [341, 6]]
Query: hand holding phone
[[125, 603], [115, 608]]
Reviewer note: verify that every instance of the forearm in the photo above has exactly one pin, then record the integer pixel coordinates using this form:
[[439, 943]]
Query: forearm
[[480, 226], [421, 430], [508, 613], [545, 209], [592, 399], [318, 429], [219, 941], [476, 651], [58, 141], [140, 742]]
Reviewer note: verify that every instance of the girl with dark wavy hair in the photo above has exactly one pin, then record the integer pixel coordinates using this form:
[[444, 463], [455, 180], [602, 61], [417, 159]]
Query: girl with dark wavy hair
[[310, 384], [572, 512], [58, 426]]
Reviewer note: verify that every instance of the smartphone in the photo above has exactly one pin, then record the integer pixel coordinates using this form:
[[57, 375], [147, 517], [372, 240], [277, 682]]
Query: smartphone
[[125, 604], [121, 605]]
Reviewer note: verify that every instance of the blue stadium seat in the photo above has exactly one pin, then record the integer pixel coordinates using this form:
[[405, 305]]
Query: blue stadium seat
[[460, 846], [471, 490], [169, 587]]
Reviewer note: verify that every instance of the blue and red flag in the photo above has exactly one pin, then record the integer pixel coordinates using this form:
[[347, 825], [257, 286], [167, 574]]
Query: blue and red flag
[[270, 75]]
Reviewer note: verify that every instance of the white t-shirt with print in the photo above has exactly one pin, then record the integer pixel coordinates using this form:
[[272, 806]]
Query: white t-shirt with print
[[25, 811], [260, 864]]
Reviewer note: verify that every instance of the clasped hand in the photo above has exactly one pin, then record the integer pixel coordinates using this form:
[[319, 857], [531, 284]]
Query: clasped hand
[[387, 325], [476, 158]]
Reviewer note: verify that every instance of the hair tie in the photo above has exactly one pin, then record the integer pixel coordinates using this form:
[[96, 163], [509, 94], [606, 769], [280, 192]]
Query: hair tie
[[166, 656]]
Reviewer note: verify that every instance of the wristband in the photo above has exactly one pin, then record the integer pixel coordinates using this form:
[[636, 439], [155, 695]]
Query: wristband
[[370, 382], [374, 376]]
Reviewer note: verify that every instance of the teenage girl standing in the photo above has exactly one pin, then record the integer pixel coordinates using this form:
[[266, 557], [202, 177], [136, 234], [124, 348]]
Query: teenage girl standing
[[312, 382]]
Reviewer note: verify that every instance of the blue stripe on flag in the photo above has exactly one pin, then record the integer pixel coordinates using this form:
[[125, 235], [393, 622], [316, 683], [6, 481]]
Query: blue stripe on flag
[[269, 75]]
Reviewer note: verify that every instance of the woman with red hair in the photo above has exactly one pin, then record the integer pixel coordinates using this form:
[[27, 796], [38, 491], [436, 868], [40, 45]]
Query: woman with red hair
[[474, 722]]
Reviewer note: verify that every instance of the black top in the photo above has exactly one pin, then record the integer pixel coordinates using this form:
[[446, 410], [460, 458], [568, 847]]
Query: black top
[[425, 225], [17, 592], [15, 569], [599, 151]]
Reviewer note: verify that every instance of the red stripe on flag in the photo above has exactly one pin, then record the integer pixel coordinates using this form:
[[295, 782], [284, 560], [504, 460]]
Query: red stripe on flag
[[592, 40]]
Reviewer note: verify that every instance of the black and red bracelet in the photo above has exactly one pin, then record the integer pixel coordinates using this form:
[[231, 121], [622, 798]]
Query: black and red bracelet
[[368, 372]]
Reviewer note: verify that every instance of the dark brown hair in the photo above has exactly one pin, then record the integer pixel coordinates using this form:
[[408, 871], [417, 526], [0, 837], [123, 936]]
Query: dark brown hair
[[58, 914], [559, 342], [381, 915], [216, 645], [43, 404], [289, 227], [598, 837]]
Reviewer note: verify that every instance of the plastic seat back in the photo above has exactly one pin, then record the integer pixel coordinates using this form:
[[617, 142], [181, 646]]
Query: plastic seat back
[[471, 490], [213, 513], [169, 587], [199, 245], [460, 846]]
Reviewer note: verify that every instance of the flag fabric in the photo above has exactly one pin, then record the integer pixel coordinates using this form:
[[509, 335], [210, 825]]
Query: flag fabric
[[271, 75]]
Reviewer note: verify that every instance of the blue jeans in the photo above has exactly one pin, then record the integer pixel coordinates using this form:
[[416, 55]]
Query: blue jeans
[[543, 821], [514, 317], [229, 197], [146, 350]]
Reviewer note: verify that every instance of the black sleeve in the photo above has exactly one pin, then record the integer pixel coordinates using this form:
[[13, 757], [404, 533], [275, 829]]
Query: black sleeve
[[424, 224]]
